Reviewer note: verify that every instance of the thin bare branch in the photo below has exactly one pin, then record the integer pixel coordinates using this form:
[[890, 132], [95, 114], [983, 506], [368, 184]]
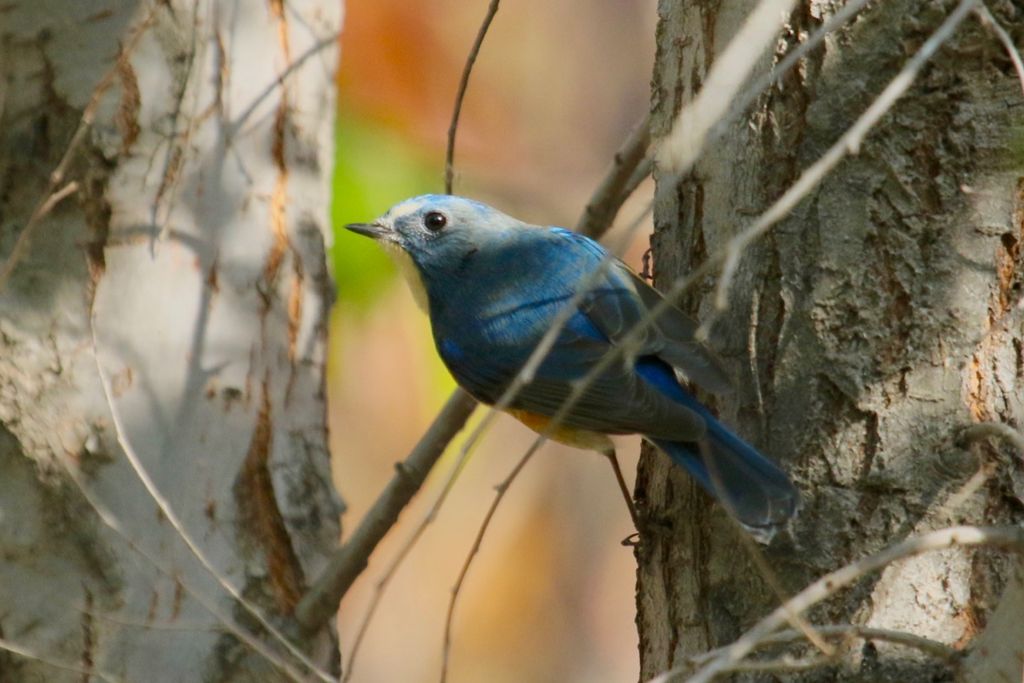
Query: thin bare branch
[[747, 97], [382, 584], [41, 212], [748, 538], [682, 146], [52, 196], [109, 520], [998, 430], [953, 502], [172, 518], [500, 491], [754, 366], [27, 653], [449, 155], [292, 68], [926, 645], [848, 143], [320, 603], [627, 495], [784, 664], [992, 24], [629, 167], [795, 619], [840, 632], [961, 536]]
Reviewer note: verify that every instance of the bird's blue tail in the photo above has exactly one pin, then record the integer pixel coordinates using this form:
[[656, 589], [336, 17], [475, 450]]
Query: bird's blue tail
[[749, 485]]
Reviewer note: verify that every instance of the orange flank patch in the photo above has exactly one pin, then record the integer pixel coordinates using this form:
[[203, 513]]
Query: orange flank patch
[[570, 436]]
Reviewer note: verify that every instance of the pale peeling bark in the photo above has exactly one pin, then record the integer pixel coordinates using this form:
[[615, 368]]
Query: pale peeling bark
[[864, 330], [194, 250]]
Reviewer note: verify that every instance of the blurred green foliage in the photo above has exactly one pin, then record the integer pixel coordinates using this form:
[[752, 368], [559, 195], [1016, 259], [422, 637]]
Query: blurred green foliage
[[374, 168]]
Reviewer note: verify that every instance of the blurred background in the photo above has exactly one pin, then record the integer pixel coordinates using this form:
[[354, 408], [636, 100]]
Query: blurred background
[[556, 89]]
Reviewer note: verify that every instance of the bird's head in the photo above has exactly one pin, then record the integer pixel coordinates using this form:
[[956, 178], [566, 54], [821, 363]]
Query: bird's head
[[432, 235], [438, 231]]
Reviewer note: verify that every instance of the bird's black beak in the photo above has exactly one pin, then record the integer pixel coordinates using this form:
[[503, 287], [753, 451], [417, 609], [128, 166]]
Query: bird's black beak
[[373, 230]]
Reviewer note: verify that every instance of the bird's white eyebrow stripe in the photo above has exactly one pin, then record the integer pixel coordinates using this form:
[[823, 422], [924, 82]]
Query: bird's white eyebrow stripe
[[406, 208]]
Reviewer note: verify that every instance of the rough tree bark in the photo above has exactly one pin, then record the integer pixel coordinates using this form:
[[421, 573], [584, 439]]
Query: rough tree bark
[[864, 330], [187, 263]]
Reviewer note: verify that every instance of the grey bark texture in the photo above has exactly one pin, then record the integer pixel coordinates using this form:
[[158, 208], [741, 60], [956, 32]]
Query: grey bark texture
[[188, 264], [865, 329]]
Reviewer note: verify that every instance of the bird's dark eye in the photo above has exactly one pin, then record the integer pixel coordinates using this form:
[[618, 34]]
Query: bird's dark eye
[[434, 221]]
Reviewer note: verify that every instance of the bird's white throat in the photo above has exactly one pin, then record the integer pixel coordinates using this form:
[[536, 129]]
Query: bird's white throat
[[409, 271]]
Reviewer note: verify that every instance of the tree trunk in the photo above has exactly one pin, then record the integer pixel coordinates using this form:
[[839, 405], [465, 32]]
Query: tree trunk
[[864, 329], [185, 270]]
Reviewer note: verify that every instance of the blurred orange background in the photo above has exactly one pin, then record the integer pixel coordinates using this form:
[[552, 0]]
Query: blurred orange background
[[555, 91]]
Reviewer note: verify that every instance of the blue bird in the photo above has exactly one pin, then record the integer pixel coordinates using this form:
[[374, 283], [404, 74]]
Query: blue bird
[[492, 286]]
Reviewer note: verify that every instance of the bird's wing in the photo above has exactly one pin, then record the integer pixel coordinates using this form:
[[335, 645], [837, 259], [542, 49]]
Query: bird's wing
[[679, 348], [615, 400], [623, 299], [619, 399]]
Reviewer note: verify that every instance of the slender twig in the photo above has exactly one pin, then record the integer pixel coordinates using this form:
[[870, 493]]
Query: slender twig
[[848, 143], [961, 536], [987, 430], [682, 146], [747, 97], [992, 24], [789, 663], [41, 212], [920, 643], [797, 621], [627, 495], [389, 573], [783, 664], [28, 653], [172, 518], [109, 520], [500, 491], [942, 511], [752, 360], [293, 67], [846, 631], [321, 601], [52, 196], [467, 69], [619, 182]]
